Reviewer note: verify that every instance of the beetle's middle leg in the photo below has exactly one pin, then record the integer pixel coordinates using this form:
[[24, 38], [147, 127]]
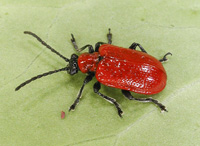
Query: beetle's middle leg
[[97, 87], [87, 79], [134, 45], [128, 95], [90, 48]]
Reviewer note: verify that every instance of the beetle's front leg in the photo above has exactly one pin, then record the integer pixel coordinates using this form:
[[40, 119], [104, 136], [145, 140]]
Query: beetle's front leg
[[87, 79], [128, 95], [97, 87], [134, 45], [90, 48]]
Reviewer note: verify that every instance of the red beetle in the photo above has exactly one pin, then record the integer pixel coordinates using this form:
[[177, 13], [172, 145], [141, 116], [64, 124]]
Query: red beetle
[[126, 69]]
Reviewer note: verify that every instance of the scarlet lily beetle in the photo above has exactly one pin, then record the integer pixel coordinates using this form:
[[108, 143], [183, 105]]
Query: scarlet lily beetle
[[117, 67]]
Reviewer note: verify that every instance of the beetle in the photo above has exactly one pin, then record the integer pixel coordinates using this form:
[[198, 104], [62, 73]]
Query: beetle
[[123, 68]]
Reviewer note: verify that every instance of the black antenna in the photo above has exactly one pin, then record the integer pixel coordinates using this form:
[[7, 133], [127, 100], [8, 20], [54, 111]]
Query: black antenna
[[39, 76], [45, 44]]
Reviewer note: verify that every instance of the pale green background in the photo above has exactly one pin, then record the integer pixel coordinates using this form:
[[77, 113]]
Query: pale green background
[[31, 116]]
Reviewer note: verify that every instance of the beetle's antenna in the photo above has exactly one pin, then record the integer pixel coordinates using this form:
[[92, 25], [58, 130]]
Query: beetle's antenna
[[45, 44], [40, 76]]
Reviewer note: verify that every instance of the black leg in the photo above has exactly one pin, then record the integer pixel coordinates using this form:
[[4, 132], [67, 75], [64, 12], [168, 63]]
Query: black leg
[[164, 57], [128, 95], [134, 45], [109, 36], [87, 79], [91, 50], [97, 45], [97, 87], [74, 42]]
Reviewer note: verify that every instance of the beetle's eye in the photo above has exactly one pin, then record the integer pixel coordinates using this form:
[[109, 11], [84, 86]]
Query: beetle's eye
[[74, 56]]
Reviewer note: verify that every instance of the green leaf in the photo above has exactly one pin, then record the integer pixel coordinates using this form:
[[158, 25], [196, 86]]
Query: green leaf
[[32, 115]]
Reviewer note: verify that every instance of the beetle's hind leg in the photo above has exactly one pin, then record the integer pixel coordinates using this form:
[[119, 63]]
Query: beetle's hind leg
[[90, 48], [97, 87], [128, 95], [164, 57], [134, 45], [109, 36]]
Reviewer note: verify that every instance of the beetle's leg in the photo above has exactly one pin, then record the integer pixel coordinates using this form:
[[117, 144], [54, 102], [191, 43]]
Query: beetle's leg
[[97, 87], [128, 95], [87, 79], [134, 45], [109, 36], [97, 45], [164, 57], [91, 50], [74, 42]]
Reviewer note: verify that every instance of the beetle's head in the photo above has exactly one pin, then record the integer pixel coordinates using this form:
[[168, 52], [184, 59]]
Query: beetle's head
[[73, 65]]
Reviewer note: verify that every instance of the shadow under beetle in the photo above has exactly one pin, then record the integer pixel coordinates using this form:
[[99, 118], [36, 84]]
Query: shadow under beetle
[[126, 69]]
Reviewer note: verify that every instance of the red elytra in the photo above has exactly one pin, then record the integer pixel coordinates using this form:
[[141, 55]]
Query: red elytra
[[124, 68]]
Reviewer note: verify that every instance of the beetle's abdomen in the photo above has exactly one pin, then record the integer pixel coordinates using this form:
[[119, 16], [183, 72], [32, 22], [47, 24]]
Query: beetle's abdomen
[[130, 70], [88, 62], [139, 78]]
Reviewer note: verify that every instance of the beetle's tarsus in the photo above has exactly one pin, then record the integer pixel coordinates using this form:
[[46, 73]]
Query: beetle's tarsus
[[164, 59], [163, 109], [72, 108], [109, 36], [72, 39], [120, 112]]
